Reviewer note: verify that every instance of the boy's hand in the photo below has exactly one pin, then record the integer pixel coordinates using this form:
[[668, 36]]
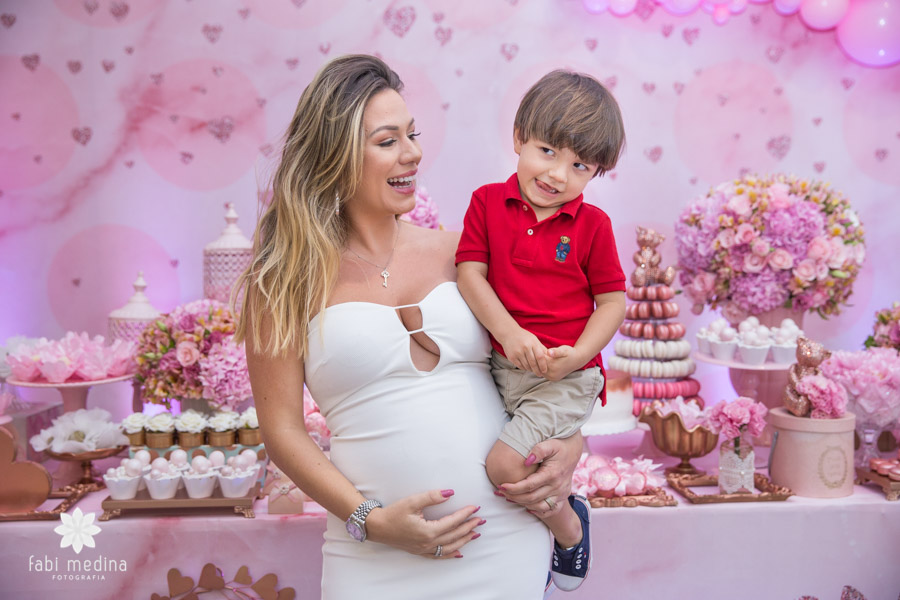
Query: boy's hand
[[563, 360], [526, 351]]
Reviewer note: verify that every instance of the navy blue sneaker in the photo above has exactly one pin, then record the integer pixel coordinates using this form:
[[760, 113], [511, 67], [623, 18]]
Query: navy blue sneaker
[[570, 567]]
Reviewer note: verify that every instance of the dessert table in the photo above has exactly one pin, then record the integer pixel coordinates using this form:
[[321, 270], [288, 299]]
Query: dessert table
[[743, 551]]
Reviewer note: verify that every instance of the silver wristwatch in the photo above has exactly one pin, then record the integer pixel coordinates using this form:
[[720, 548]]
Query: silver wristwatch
[[356, 524]]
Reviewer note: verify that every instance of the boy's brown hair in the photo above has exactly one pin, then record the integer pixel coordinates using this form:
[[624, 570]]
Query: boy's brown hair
[[573, 110]]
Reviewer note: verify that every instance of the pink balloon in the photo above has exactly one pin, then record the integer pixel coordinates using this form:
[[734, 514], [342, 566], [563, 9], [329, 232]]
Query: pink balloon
[[721, 13], [595, 6], [787, 7], [680, 7], [621, 8], [870, 33], [823, 14]]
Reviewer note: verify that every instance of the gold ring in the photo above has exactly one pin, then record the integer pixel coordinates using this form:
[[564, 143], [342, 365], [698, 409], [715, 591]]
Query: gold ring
[[550, 502]]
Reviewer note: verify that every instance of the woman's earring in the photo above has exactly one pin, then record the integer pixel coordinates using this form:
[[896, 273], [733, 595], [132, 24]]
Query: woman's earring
[[337, 205]]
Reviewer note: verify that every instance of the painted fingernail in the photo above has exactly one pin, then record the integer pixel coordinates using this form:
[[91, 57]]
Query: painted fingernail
[[499, 493], [447, 493], [482, 522], [530, 460], [477, 508], [457, 555], [502, 488], [508, 500], [476, 536]]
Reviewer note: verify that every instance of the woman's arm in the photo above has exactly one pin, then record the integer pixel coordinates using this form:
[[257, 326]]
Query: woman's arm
[[278, 394], [557, 458]]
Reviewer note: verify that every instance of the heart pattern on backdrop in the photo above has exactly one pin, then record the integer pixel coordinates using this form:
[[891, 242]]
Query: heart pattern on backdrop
[[220, 128], [292, 63], [654, 153], [779, 146], [443, 34], [108, 65], [667, 29], [83, 135], [881, 154], [690, 35], [847, 83], [817, 121], [610, 82], [509, 51], [31, 61], [91, 6], [774, 53], [8, 20], [591, 44], [212, 32], [819, 166], [186, 157], [649, 87], [399, 20], [119, 10], [679, 87]]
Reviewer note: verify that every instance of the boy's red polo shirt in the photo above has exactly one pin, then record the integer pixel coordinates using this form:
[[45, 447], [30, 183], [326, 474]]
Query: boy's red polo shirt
[[547, 283]]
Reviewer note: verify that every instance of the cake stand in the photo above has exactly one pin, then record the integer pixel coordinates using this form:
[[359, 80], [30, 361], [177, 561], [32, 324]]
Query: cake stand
[[764, 383], [88, 481], [74, 393]]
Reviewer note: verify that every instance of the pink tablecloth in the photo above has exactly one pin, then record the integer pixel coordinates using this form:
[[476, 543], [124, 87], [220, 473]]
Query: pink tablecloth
[[753, 551]]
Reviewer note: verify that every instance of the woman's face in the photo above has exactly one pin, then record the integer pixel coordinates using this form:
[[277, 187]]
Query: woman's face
[[390, 159]]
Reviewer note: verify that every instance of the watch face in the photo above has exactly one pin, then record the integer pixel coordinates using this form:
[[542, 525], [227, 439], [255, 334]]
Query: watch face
[[355, 531]]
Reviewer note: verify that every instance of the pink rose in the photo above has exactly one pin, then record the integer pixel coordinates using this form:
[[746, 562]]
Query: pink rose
[[819, 248], [759, 247], [805, 270], [839, 254], [821, 270], [739, 205], [779, 196], [781, 259], [753, 263], [726, 238], [745, 234], [187, 353]]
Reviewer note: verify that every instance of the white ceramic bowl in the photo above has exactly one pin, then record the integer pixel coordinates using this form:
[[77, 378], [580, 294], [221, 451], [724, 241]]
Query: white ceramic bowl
[[753, 355], [122, 488], [199, 486], [784, 354], [236, 486], [162, 488], [723, 350]]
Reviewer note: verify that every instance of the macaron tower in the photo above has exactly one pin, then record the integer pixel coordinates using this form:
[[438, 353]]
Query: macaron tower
[[654, 350]]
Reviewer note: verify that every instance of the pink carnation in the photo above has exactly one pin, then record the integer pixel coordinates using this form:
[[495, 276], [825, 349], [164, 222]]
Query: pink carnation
[[735, 417], [828, 399]]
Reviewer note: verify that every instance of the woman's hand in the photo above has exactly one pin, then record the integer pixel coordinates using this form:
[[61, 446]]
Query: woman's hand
[[553, 479], [402, 525]]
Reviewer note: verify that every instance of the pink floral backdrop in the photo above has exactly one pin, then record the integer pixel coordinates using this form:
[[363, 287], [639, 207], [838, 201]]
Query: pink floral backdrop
[[127, 124]]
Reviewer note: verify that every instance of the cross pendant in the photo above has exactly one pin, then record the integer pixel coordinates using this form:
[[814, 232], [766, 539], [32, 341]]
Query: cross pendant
[[385, 274]]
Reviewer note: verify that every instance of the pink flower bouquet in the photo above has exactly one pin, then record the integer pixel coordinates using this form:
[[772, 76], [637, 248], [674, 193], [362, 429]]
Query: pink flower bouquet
[[734, 418], [828, 398], [758, 243], [425, 212], [872, 380], [315, 421], [886, 333], [75, 357], [190, 354]]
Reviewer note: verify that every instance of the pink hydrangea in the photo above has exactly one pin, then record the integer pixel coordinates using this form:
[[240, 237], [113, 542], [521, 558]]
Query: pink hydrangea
[[828, 399], [731, 419], [872, 380], [425, 212], [224, 376]]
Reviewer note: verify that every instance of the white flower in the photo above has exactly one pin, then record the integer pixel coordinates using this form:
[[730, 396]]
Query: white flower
[[225, 420], [190, 421], [134, 422], [248, 419], [77, 530], [161, 422]]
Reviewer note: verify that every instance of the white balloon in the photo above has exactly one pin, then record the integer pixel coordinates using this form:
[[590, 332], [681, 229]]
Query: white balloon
[[823, 14], [787, 7], [595, 6], [622, 7]]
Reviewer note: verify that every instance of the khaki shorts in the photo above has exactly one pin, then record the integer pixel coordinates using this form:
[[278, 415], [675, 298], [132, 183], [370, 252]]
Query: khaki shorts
[[542, 409]]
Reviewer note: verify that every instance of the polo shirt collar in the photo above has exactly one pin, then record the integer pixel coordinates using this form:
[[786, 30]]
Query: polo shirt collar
[[512, 193]]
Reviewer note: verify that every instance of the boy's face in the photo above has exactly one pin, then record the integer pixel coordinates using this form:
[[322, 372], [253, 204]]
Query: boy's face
[[549, 176]]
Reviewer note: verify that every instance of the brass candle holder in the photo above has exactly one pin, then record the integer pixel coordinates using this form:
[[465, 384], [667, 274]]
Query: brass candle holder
[[672, 437]]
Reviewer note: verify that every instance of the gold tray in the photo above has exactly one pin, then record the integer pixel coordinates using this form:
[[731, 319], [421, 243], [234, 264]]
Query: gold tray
[[69, 495], [768, 491], [890, 487], [181, 501], [654, 497]]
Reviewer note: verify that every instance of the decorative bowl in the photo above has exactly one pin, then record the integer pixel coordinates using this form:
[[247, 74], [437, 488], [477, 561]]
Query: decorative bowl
[[673, 438]]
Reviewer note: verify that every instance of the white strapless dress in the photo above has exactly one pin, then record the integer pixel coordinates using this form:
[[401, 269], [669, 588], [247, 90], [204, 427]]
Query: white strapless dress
[[397, 431]]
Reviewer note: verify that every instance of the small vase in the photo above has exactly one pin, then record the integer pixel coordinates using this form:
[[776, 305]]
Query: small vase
[[220, 438], [136, 439], [160, 439], [736, 466], [868, 434], [189, 439]]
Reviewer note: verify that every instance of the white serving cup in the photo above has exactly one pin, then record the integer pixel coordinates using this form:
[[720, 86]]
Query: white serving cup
[[163, 488], [122, 488], [199, 485]]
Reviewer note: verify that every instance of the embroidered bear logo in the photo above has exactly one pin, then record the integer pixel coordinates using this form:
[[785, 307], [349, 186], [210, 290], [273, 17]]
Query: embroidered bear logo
[[563, 248]]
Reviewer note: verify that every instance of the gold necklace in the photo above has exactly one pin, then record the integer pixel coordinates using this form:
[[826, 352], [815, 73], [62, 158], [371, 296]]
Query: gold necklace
[[384, 272]]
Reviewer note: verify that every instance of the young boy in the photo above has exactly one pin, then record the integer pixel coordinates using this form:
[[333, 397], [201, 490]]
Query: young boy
[[539, 269]]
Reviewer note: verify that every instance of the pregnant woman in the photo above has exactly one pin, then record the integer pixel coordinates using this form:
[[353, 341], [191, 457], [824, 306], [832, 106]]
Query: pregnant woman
[[364, 309]]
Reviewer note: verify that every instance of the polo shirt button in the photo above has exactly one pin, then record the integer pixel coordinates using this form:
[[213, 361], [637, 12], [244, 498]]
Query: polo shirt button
[[531, 232], [524, 207]]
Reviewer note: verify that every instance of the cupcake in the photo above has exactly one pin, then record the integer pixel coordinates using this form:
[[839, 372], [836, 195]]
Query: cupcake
[[160, 430], [248, 430], [753, 347], [784, 338], [162, 482], [236, 481], [221, 428], [703, 341], [133, 426], [190, 426], [724, 344], [124, 480], [200, 479]]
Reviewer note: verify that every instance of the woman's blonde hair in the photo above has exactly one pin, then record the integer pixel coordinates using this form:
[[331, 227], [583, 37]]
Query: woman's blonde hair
[[301, 233]]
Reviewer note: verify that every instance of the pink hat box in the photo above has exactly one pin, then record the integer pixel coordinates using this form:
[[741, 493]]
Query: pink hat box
[[812, 457]]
